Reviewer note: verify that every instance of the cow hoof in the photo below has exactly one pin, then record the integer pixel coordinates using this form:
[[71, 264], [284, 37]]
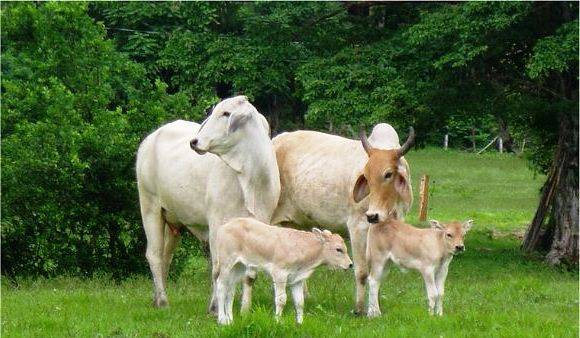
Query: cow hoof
[[373, 313]]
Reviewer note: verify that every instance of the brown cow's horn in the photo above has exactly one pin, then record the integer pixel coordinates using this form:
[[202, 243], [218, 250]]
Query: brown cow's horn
[[407, 145], [364, 140]]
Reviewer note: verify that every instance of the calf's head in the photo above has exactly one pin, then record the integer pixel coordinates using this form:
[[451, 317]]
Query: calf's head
[[230, 121], [453, 234], [334, 252], [385, 180]]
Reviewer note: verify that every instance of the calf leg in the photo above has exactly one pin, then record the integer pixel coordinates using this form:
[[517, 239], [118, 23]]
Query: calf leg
[[374, 280], [153, 225], [298, 299], [358, 237], [280, 293], [249, 280], [440, 277], [432, 293], [236, 273]]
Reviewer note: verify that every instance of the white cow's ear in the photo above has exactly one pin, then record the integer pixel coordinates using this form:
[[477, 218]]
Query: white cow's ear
[[361, 189], [436, 225], [237, 119], [327, 233], [467, 225]]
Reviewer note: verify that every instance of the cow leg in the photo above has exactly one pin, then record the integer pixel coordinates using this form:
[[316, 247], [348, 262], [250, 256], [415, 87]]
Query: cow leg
[[172, 239], [298, 299], [222, 286], [153, 225], [249, 280], [429, 277], [358, 238], [213, 304]]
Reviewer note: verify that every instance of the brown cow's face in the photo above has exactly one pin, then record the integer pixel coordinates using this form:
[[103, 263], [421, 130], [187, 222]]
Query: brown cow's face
[[454, 233], [386, 181]]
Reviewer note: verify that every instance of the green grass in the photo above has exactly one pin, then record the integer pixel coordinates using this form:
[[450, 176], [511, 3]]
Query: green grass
[[492, 289]]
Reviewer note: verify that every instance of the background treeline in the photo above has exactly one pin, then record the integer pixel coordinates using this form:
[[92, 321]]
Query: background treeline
[[83, 83]]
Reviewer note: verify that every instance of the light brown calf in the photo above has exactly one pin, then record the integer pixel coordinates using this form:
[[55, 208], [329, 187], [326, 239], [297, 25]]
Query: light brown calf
[[428, 251], [289, 256]]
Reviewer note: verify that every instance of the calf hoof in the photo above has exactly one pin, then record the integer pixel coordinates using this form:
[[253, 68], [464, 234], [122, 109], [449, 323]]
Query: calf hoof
[[212, 310], [224, 321], [358, 312], [373, 313], [160, 302]]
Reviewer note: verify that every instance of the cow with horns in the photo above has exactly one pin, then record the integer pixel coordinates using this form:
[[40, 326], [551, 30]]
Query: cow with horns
[[334, 182]]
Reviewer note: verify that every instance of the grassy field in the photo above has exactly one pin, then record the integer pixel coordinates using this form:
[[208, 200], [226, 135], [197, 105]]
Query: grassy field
[[492, 289]]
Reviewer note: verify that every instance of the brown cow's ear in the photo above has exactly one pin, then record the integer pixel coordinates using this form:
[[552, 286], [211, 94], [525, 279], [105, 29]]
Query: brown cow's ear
[[361, 189]]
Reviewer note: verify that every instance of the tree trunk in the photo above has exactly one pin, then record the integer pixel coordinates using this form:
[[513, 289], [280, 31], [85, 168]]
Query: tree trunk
[[559, 237], [504, 133]]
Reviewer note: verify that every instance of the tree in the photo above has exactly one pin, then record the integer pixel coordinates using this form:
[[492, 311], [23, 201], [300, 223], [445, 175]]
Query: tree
[[74, 111], [554, 62]]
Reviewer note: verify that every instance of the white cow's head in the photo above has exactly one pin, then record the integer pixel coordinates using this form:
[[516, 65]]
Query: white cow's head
[[230, 121]]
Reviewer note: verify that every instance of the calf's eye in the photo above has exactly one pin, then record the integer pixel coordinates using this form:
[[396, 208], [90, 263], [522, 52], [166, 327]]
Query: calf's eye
[[339, 250], [449, 235], [388, 175]]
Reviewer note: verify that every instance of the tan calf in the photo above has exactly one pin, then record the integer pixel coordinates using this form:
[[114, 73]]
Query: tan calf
[[428, 251], [289, 256]]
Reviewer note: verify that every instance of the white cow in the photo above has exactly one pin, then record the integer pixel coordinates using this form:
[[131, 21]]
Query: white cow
[[238, 177], [336, 183]]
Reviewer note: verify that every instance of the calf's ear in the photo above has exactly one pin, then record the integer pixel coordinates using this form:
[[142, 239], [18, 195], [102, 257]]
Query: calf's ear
[[436, 225], [361, 189], [319, 233], [467, 225]]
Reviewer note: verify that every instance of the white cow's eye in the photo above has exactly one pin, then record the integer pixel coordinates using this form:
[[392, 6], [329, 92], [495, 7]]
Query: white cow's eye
[[339, 250], [226, 113], [449, 235]]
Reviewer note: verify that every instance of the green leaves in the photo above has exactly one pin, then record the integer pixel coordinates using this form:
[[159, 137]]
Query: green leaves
[[83, 83], [555, 53]]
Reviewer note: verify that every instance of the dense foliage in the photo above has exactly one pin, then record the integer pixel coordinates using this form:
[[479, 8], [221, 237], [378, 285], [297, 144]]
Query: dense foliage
[[83, 83]]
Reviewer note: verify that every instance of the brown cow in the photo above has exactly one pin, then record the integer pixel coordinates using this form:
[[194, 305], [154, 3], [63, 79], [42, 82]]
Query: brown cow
[[334, 182]]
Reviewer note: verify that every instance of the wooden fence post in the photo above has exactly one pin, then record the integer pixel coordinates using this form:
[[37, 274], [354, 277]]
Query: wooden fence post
[[423, 198], [446, 141], [500, 145]]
